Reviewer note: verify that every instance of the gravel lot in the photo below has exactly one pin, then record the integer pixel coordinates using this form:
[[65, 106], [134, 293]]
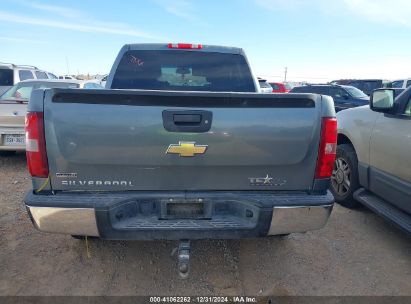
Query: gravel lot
[[357, 253]]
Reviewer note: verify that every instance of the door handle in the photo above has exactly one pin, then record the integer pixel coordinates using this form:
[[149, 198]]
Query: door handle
[[187, 119], [190, 121]]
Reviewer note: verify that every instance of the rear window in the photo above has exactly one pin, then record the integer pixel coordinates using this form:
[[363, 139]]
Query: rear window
[[265, 85], [6, 77], [25, 74], [183, 71], [41, 75]]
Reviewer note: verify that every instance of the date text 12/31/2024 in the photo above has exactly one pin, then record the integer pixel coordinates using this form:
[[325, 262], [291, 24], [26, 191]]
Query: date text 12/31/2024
[[203, 299]]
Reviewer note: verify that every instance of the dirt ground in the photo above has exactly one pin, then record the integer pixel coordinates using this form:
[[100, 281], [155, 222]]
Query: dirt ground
[[357, 253]]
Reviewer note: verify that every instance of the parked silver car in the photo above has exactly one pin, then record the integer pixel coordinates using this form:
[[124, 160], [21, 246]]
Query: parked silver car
[[13, 108]]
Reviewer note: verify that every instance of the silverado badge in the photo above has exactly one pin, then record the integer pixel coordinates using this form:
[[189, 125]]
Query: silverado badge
[[186, 149]]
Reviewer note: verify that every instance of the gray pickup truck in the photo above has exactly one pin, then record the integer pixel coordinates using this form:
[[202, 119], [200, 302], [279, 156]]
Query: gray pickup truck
[[183, 146]]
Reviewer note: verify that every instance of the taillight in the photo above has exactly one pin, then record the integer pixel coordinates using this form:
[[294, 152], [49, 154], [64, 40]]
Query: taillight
[[328, 148], [185, 46], [36, 145]]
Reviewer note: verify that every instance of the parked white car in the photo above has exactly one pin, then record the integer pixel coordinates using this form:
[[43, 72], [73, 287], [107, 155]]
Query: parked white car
[[265, 87]]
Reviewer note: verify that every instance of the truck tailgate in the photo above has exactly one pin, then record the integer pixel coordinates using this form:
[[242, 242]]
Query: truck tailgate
[[157, 140]]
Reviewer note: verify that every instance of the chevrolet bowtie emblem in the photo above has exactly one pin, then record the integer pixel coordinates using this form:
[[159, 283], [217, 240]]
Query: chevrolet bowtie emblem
[[186, 149]]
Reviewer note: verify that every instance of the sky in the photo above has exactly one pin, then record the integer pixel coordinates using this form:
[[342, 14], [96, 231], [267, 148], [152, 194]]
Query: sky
[[317, 40]]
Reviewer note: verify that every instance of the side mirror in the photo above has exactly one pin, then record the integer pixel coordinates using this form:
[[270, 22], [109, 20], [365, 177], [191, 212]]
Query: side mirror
[[346, 96], [382, 100]]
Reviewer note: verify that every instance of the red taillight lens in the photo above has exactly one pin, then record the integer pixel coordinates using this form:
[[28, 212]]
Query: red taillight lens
[[328, 148], [185, 46], [36, 145]]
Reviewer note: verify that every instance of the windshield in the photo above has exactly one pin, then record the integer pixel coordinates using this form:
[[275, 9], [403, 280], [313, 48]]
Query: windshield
[[22, 91], [354, 92], [183, 71]]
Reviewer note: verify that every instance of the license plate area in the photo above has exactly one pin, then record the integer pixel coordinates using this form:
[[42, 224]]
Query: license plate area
[[186, 209], [14, 140]]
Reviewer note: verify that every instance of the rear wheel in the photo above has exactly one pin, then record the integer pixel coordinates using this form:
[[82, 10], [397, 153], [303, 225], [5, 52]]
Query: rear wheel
[[344, 179]]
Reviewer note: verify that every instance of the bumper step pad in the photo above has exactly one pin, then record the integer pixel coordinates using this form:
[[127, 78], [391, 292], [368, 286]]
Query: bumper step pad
[[218, 222]]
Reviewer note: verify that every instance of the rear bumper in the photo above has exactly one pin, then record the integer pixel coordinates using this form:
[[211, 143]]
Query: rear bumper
[[140, 216]]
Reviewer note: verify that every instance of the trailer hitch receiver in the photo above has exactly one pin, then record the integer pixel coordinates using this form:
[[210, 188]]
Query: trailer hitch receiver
[[184, 259]]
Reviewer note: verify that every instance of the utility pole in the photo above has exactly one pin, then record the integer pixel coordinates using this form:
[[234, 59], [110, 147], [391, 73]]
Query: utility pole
[[285, 74], [68, 68]]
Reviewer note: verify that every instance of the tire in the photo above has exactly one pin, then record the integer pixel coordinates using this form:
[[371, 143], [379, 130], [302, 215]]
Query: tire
[[344, 179], [7, 153]]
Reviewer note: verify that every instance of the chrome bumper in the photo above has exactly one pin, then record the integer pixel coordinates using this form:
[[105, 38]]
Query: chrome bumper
[[74, 221], [299, 219], [82, 221]]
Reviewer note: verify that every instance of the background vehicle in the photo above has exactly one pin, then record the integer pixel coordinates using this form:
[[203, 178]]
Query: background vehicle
[[103, 81], [51, 76], [90, 84], [185, 149], [400, 84], [344, 96], [264, 86], [279, 87], [373, 165], [13, 108], [10, 74], [365, 85], [69, 77]]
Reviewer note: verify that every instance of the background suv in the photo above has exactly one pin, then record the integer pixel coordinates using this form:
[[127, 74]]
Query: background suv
[[344, 96], [365, 85], [10, 74]]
